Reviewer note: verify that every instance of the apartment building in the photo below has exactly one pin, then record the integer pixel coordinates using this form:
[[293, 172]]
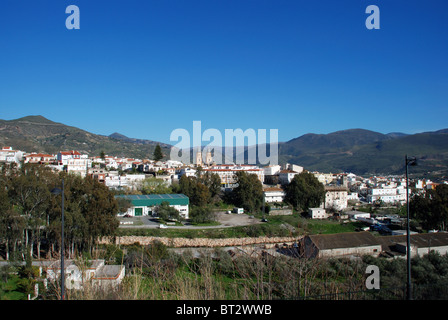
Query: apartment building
[[74, 162], [227, 173], [8, 154]]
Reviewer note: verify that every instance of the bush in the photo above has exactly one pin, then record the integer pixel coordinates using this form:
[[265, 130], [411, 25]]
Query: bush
[[202, 215]]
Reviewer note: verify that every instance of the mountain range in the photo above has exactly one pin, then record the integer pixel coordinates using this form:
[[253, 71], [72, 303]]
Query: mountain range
[[355, 150], [367, 152], [38, 134]]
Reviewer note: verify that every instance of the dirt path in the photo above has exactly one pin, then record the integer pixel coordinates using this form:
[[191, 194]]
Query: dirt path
[[226, 220], [233, 220]]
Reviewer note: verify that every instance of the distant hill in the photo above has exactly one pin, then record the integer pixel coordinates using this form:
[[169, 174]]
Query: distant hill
[[367, 152], [38, 134], [119, 136], [335, 142], [360, 151]]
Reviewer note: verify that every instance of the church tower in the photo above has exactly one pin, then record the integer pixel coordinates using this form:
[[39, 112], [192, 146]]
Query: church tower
[[209, 158], [199, 159]]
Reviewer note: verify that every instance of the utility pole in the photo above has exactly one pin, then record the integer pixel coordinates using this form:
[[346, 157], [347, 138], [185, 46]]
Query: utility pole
[[412, 162]]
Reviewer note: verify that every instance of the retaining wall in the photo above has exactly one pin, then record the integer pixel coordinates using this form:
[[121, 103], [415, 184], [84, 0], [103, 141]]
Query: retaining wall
[[200, 242]]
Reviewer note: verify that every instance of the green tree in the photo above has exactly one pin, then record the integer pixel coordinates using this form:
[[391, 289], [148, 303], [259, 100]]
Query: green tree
[[431, 209], [28, 191], [194, 189], [185, 186], [213, 182], [12, 225], [90, 211], [201, 195], [305, 191], [201, 215], [165, 212], [100, 210], [123, 205], [153, 185], [157, 155], [249, 192]]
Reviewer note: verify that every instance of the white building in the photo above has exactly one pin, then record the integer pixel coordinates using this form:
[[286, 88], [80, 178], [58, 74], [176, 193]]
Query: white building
[[324, 178], [74, 162], [317, 213], [227, 173], [335, 198], [7, 154], [293, 167], [273, 194], [132, 181], [77, 166], [387, 194], [39, 158], [77, 274], [146, 205], [286, 176], [189, 172], [358, 214], [272, 170]]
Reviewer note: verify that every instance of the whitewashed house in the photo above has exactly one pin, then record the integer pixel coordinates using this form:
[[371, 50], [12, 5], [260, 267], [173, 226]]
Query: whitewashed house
[[272, 170], [273, 194], [286, 176], [74, 162], [39, 158], [227, 173], [335, 198], [186, 171], [78, 273], [317, 213], [7, 154], [387, 194]]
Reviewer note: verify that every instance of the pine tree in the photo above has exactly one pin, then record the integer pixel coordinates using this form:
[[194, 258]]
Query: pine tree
[[305, 191], [249, 193], [158, 155]]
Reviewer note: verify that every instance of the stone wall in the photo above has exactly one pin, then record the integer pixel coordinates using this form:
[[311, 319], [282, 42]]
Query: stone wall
[[200, 242], [280, 212]]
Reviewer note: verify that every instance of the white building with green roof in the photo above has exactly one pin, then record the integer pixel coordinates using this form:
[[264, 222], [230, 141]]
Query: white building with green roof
[[144, 205]]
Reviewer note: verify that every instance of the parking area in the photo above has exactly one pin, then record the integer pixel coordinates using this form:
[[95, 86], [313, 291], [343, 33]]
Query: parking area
[[225, 219], [233, 219]]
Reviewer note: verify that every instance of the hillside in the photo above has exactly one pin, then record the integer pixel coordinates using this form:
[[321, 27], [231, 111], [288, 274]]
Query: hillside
[[38, 134], [356, 150], [366, 152]]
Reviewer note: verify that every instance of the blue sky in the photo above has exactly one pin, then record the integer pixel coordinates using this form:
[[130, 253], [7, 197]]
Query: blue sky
[[145, 68]]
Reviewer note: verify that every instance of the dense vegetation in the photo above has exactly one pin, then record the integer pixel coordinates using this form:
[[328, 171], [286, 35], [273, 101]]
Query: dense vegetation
[[30, 223], [431, 208], [305, 191], [156, 272], [30, 214]]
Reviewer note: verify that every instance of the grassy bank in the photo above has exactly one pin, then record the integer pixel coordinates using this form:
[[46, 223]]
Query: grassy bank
[[277, 226]]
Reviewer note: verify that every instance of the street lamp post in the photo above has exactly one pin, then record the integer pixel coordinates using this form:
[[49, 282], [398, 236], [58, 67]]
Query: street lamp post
[[59, 191], [408, 161]]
